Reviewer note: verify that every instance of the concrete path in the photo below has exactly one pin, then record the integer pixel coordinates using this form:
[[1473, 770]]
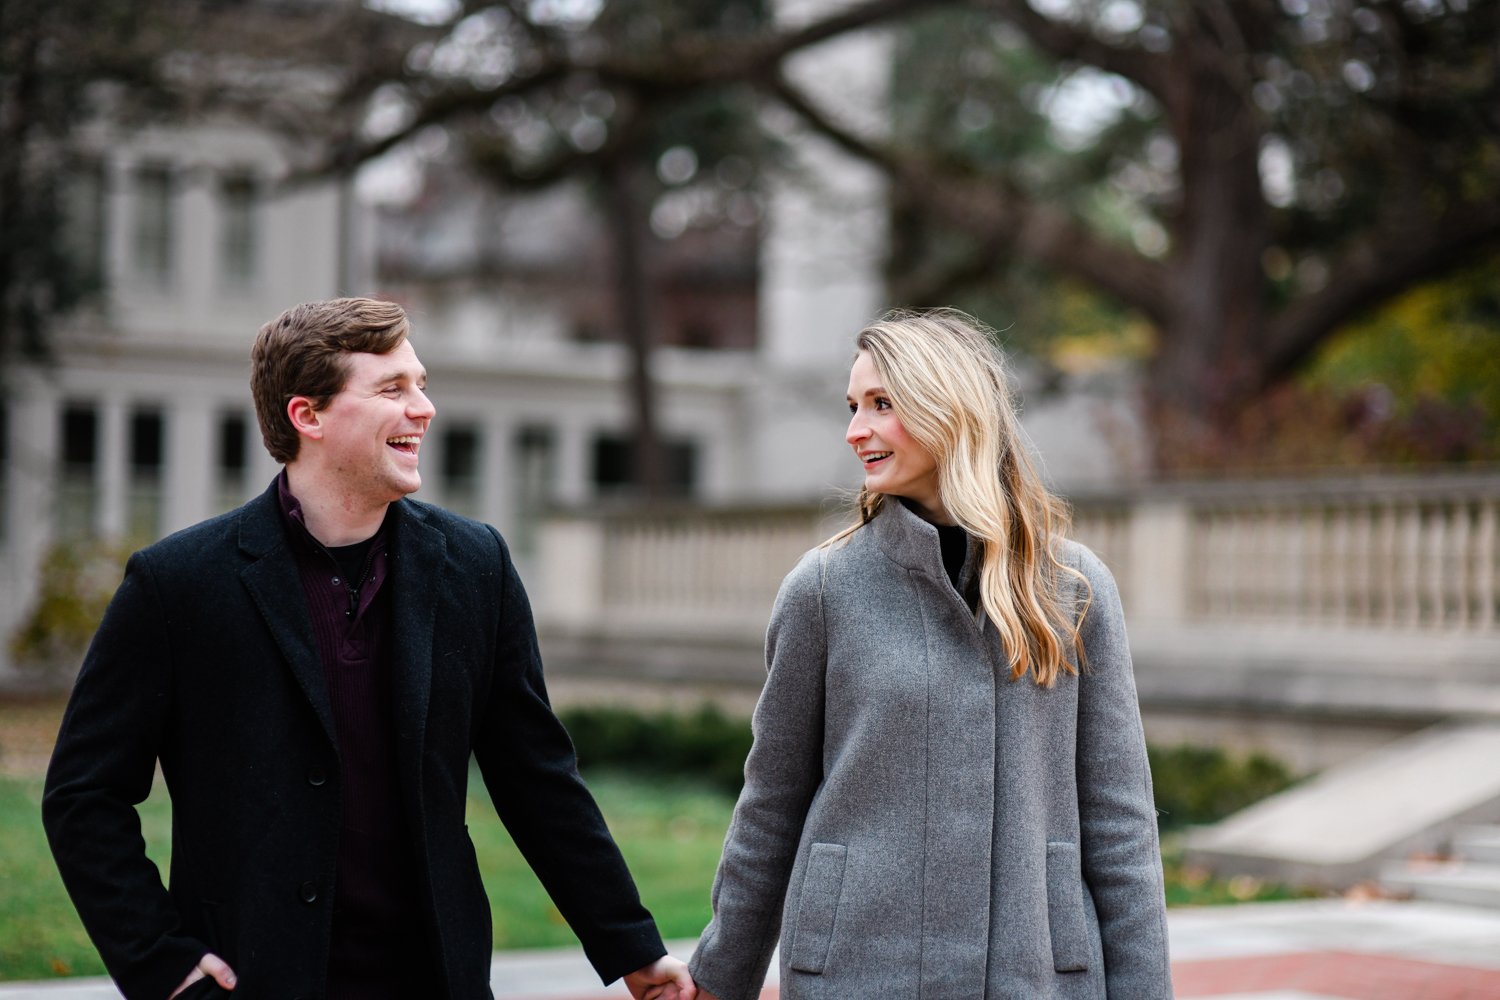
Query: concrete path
[[1308, 950]]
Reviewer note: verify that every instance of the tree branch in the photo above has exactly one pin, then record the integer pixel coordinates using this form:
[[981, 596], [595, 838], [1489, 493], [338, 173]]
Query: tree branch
[[1373, 271], [688, 64], [987, 209], [1068, 42]]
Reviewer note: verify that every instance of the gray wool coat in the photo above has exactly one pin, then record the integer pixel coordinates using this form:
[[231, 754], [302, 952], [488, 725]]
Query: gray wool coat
[[914, 824]]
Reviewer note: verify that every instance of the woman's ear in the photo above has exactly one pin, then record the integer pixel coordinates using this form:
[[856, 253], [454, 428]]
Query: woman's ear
[[305, 418]]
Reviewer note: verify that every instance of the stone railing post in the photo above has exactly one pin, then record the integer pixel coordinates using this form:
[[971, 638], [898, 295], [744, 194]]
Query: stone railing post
[[570, 564], [1159, 533]]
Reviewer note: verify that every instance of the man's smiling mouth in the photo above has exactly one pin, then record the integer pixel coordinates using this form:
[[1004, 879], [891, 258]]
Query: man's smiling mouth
[[407, 443]]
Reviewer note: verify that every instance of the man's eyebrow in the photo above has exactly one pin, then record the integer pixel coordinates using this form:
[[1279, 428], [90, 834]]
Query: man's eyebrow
[[398, 374]]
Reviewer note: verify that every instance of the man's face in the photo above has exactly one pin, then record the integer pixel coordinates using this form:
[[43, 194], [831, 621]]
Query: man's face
[[373, 428]]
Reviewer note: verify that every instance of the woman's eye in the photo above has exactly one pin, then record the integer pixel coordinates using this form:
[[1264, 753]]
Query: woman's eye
[[882, 404], [853, 408]]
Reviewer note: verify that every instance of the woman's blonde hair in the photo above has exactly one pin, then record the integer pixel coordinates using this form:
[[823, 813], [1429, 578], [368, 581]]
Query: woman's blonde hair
[[948, 386]]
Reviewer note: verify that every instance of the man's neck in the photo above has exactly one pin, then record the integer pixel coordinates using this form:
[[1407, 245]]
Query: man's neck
[[332, 517]]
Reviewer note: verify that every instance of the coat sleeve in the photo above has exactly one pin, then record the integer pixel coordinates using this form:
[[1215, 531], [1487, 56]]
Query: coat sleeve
[[782, 774], [531, 771], [1120, 853], [101, 769]]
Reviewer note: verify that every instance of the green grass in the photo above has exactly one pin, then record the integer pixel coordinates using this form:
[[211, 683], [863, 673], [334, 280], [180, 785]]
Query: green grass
[[669, 829], [670, 832]]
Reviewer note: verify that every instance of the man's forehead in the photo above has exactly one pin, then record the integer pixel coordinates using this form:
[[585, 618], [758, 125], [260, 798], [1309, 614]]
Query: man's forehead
[[399, 362]]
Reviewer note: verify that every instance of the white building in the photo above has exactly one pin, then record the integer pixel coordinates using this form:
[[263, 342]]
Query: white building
[[143, 424]]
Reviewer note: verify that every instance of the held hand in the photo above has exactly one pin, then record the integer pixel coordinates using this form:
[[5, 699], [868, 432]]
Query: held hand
[[210, 965], [664, 979]]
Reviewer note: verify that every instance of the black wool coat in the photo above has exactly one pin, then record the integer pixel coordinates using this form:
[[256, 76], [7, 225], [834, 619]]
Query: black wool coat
[[206, 663]]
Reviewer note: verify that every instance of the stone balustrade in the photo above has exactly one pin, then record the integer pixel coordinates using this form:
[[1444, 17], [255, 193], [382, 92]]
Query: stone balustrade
[[1388, 553], [1294, 603]]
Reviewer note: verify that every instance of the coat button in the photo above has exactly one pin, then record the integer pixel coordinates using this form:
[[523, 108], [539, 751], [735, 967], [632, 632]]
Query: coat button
[[316, 776], [308, 892]]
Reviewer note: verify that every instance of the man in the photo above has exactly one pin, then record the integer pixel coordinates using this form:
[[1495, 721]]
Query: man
[[312, 671]]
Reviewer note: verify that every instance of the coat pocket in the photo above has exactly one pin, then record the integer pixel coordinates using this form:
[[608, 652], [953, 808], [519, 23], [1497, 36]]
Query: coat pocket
[[1065, 912], [817, 905]]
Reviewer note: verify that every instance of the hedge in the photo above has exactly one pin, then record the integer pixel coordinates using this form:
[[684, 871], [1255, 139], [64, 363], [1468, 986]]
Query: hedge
[[1193, 784]]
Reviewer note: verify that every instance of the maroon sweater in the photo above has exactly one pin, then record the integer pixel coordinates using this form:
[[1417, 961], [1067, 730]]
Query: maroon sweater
[[380, 945]]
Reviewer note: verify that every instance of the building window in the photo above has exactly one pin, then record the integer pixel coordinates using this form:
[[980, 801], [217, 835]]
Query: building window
[[615, 467], [152, 238], [144, 497], [460, 469], [83, 224], [239, 232], [78, 485], [233, 461], [698, 334]]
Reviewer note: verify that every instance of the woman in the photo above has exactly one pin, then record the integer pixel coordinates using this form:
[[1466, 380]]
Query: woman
[[948, 796]]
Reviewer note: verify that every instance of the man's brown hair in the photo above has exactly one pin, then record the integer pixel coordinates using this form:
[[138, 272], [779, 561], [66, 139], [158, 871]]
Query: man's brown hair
[[304, 352]]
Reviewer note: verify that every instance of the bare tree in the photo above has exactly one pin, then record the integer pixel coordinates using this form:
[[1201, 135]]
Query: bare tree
[[1271, 170]]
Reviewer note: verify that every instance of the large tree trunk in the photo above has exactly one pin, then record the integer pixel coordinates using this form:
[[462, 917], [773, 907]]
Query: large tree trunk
[[1208, 359], [627, 213]]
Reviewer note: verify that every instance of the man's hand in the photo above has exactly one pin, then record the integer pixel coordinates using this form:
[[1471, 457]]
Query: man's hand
[[210, 965], [664, 979]]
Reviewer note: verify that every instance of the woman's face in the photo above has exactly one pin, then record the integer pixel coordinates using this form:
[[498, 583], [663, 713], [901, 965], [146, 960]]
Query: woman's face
[[894, 462]]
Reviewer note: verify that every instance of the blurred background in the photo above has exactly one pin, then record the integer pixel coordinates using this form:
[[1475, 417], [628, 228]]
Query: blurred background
[[1242, 258]]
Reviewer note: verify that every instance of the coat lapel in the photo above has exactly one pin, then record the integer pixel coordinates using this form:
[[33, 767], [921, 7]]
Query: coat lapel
[[274, 586], [417, 553]]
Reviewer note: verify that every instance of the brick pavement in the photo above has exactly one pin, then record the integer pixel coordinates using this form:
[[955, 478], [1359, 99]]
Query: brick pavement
[[1315, 975], [1305, 950], [1345, 975]]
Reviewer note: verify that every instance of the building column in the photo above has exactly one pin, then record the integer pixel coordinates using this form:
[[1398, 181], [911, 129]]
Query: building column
[[574, 486], [112, 473], [33, 431], [188, 462], [497, 460]]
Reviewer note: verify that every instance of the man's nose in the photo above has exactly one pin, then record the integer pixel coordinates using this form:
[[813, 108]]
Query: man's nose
[[421, 407]]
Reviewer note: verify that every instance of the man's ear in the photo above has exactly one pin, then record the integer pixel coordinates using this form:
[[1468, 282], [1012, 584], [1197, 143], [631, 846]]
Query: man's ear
[[305, 418]]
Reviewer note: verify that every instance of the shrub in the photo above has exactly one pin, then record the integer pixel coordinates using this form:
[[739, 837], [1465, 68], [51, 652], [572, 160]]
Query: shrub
[[77, 579], [1193, 784], [1204, 784], [705, 744]]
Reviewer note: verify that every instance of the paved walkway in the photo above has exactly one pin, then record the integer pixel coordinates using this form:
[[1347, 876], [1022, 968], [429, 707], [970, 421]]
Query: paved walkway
[[1310, 950]]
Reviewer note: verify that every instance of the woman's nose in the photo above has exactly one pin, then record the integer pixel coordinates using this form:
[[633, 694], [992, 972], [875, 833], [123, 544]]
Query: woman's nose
[[858, 430]]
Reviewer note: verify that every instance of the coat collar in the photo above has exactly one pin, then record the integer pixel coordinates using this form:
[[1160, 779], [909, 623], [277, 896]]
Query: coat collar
[[907, 539]]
